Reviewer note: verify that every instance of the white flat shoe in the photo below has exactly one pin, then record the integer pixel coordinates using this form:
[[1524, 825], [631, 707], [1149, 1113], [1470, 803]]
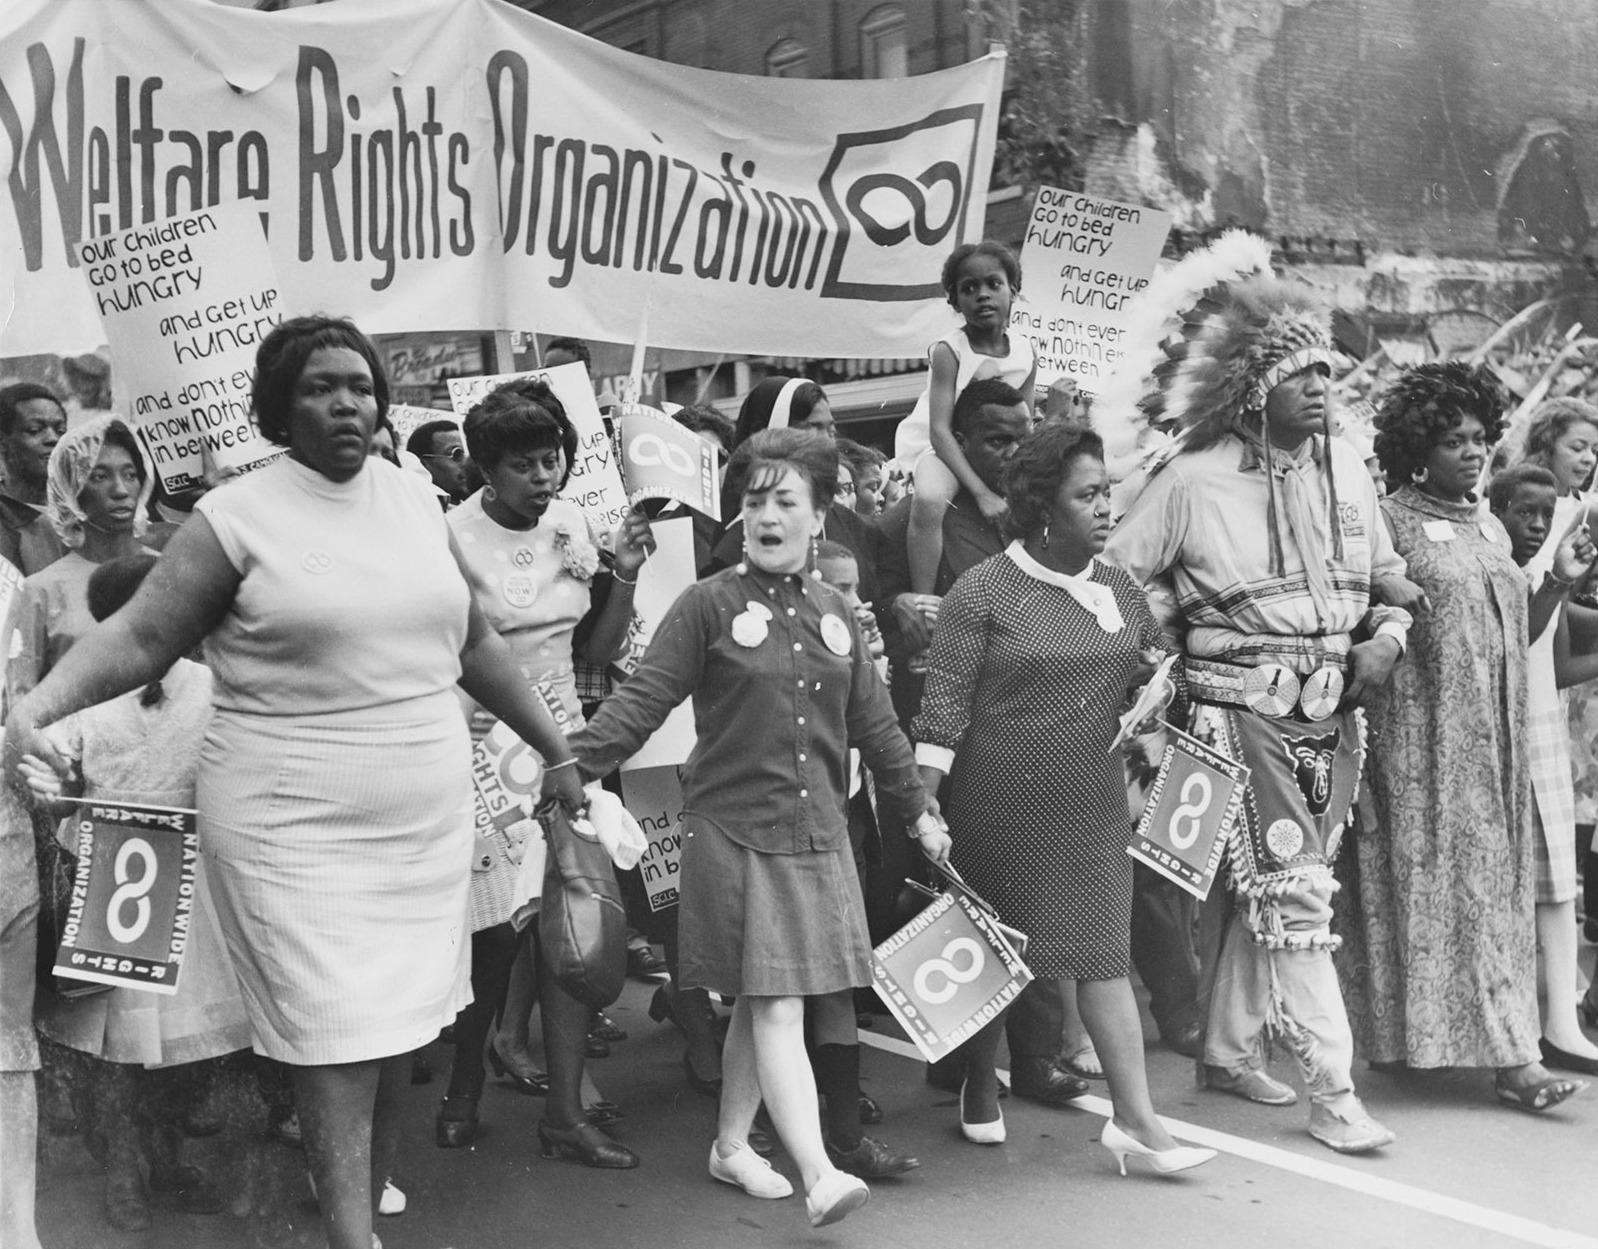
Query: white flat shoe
[[834, 1197], [1165, 1161], [391, 1201], [981, 1133], [747, 1170]]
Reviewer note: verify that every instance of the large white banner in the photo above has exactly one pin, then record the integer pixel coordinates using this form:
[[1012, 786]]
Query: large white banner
[[461, 164]]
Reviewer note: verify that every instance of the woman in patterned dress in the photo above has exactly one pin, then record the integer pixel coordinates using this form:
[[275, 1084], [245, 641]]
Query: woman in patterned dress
[[1035, 653], [1446, 879]]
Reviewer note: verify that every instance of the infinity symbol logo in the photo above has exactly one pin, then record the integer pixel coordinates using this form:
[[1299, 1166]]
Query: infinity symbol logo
[[926, 233], [944, 967]]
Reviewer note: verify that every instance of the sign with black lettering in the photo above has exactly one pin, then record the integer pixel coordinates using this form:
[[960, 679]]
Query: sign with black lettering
[[1085, 259], [185, 302], [654, 797], [1194, 802], [948, 973], [133, 898], [661, 459]]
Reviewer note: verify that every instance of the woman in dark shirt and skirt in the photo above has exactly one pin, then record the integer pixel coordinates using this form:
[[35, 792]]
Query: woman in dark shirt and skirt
[[782, 686]]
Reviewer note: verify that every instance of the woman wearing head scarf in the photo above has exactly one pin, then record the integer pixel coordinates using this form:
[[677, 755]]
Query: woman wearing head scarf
[[96, 490]]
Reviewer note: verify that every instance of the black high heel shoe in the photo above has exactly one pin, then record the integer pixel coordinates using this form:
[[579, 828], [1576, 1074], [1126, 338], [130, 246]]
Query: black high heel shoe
[[456, 1125], [585, 1144], [535, 1084]]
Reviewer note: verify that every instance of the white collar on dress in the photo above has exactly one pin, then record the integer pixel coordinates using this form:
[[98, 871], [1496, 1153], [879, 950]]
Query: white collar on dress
[[1097, 597]]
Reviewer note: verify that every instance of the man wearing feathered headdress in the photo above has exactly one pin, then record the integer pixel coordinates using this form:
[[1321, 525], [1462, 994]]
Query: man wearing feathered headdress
[[1262, 530]]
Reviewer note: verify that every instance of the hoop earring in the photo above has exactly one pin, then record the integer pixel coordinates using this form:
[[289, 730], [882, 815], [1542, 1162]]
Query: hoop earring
[[489, 494], [1419, 475]]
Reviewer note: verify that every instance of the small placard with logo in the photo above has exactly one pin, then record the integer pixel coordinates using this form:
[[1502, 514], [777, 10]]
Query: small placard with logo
[[133, 897], [949, 972], [1192, 807]]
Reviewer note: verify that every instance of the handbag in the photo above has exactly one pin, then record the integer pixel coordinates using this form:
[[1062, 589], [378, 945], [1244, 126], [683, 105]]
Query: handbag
[[582, 924]]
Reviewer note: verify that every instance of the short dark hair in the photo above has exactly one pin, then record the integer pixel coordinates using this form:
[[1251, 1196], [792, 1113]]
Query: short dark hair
[[12, 398], [1426, 402], [572, 346], [813, 456], [860, 459], [987, 247], [281, 357], [704, 419], [1035, 472], [980, 394], [421, 440], [1504, 484], [519, 418], [828, 549]]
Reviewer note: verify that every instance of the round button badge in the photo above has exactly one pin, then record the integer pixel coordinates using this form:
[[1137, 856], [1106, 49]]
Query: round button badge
[[519, 589], [836, 635]]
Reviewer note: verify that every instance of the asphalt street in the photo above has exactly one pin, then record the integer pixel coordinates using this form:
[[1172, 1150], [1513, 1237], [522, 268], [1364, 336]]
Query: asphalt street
[[1465, 1172]]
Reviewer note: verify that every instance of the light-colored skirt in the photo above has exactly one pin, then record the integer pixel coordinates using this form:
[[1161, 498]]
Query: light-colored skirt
[[340, 848]]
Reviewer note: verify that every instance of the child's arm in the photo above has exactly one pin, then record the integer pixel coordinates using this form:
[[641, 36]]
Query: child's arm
[[1030, 390], [940, 424]]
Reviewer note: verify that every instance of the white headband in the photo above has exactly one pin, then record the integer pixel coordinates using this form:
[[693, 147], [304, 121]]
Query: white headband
[[782, 408]]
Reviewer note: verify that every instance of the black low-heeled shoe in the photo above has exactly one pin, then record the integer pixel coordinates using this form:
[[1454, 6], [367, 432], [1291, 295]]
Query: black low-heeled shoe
[[585, 1144], [534, 1085], [456, 1125]]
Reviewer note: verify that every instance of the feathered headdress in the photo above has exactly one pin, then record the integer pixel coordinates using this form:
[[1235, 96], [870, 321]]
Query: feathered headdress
[[1211, 336], [1208, 338]]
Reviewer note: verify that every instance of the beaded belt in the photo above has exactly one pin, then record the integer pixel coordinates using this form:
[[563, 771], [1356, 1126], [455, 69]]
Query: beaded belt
[[1269, 689]]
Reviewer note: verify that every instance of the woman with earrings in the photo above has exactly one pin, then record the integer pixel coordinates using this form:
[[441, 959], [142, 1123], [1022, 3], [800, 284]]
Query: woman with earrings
[[1447, 878], [539, 581], [1036, 652], [770, 910]]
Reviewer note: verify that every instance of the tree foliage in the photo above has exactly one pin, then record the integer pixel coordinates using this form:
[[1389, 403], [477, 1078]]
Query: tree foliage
[[1044, 126]]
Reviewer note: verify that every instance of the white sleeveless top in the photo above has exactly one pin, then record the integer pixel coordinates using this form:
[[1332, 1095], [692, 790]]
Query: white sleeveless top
[[914, 434]]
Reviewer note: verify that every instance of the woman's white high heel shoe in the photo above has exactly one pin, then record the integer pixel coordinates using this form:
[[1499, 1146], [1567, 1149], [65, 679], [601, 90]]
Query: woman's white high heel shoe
[[981, 1133], [1165, 1161]]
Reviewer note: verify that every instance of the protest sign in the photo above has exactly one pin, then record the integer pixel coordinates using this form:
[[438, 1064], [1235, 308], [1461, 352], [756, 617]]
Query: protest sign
[[654, 796], [664, 576], [405, 419], [1191, 808], [595, 484], [1083, 260], [133, 897], [661, 459], [463, 164], [947, 973], [508, 843], [185, 302]]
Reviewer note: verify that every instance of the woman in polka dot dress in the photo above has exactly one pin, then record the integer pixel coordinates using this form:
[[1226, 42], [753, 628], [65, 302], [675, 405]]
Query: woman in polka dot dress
[[1036, 651], [536, 574]]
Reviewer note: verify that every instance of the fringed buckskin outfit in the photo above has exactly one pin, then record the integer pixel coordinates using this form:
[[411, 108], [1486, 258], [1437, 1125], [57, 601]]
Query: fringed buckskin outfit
[[1265, 560]]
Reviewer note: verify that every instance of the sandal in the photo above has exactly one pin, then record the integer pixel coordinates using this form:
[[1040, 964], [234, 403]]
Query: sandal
[[1538, 1096], [1083, 1063]]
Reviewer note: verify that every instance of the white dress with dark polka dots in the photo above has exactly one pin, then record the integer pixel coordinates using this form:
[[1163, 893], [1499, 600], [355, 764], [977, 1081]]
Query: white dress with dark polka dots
[[1025, 686]]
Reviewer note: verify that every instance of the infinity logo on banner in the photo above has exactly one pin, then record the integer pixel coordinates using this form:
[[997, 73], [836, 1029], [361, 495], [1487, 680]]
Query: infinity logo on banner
[[900, 203]]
